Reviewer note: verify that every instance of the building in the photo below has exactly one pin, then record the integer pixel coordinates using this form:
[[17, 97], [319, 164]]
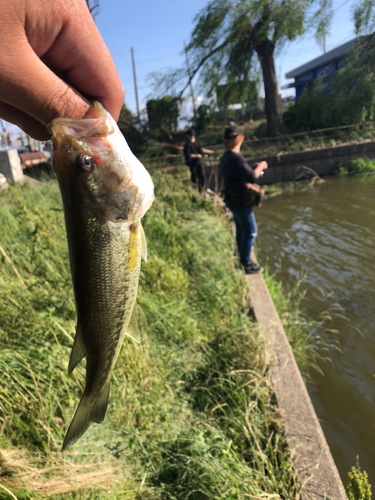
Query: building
[[323, 68]]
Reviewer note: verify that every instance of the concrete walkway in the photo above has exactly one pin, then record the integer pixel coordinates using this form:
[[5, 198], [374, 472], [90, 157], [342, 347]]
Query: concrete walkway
[[312, 458]]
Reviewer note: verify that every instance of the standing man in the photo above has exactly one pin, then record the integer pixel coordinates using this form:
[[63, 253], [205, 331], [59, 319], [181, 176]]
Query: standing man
[[194, 152], [239, 177]]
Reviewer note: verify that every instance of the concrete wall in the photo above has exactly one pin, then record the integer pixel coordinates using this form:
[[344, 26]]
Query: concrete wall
[[287, 167], [290, 166], [10, 165]]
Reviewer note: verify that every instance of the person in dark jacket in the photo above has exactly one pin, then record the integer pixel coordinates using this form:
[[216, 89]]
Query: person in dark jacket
[[237, 175], [194, 152]]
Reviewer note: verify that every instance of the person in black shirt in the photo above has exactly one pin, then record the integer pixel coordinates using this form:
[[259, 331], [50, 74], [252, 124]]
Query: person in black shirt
[[237, 175], [193, 152]]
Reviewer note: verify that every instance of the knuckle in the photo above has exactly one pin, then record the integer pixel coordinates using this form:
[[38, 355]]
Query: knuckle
[[64, 103]]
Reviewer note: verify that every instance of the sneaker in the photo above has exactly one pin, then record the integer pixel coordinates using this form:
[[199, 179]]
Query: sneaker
[[252, 268]]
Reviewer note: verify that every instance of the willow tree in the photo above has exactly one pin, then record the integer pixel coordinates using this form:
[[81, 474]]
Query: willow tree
[[229, 33], [364, 17]]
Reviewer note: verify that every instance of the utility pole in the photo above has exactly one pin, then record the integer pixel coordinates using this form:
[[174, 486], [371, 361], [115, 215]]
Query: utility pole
[[135, 81], [2, 134], [190, 83]]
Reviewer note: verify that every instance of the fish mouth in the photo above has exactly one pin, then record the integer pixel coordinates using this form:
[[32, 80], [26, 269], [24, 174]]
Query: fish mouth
[[97, 124], [89, 127], [91, 135]]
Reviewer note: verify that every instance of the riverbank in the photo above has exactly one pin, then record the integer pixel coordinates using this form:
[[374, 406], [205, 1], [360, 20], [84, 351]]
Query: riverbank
[[191, 409]]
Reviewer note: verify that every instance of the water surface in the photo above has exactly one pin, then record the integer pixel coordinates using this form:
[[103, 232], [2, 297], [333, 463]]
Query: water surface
[[329, 233]]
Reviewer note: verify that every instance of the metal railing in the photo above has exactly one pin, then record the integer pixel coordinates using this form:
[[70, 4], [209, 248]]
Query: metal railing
[[272, 146]]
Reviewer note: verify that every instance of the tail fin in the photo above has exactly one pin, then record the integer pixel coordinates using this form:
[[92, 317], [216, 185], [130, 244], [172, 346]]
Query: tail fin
[[89, 410]]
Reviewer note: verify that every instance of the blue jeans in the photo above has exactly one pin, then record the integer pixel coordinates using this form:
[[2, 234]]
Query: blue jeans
[[246, 231]]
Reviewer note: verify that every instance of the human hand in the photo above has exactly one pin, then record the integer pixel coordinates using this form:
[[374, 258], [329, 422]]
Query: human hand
[[260, 166], [53, 60]]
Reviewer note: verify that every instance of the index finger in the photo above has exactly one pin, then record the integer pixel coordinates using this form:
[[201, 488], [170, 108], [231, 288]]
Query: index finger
[[81, 54]]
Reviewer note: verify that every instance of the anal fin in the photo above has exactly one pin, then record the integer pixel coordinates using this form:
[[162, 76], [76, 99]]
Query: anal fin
[[78, 350], [133, 330]]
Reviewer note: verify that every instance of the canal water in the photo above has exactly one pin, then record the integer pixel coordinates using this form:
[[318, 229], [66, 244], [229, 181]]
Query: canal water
[[327, 234]]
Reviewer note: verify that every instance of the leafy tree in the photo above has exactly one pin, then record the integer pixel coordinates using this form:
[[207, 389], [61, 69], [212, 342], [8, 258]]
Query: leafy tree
[[323, 18], [228, 33], [346, 99], [364, 17], [163, 114]]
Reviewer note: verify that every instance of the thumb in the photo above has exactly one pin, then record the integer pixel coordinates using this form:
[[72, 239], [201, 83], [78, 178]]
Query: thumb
[[32, 93]]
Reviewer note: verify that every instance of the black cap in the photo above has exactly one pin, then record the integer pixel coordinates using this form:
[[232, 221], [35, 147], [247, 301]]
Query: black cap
[[191, 132], [231, 133]]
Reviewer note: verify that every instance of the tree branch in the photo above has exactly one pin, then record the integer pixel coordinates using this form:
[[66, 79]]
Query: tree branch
[[200, 64]]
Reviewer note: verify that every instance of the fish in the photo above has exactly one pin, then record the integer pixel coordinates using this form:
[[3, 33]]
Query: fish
[[105, 192]]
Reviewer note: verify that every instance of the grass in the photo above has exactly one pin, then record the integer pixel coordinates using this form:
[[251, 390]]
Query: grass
[[191, 413], [358, 166]]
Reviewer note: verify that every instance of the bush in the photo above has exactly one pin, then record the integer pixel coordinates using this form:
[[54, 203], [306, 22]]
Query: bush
[[358, 487], [358, 166], [346, 99]]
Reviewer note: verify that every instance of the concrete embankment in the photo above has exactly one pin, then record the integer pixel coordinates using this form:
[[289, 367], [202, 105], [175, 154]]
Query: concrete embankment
[[286, 167], [293, 166], [312, 458]]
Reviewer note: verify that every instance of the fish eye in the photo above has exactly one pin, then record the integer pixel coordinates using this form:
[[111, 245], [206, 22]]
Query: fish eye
[[84, 162]]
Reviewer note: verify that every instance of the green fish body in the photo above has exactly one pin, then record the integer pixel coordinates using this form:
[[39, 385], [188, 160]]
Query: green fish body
[[105, 192]]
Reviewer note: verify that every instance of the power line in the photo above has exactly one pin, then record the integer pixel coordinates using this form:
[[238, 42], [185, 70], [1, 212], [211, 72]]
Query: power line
[[339, 7], [166, 56], [158, 48], [115, 45]]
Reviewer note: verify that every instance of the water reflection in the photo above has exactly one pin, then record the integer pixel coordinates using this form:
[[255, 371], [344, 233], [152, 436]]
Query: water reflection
[[329, 232]]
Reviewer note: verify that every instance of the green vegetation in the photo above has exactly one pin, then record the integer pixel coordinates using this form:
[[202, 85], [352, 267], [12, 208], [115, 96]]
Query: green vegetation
[[358, 487], [228, 36], [348, 99], [358, 166], [307, 350], [191, 413], [163, 115]]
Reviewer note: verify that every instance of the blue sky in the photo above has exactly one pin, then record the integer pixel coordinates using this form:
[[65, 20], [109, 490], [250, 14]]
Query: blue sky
[[157, 30]]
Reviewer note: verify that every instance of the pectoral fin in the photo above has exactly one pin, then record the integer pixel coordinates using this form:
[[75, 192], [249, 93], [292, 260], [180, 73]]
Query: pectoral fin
[[78, 350], [133, 330], [143, 243]]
